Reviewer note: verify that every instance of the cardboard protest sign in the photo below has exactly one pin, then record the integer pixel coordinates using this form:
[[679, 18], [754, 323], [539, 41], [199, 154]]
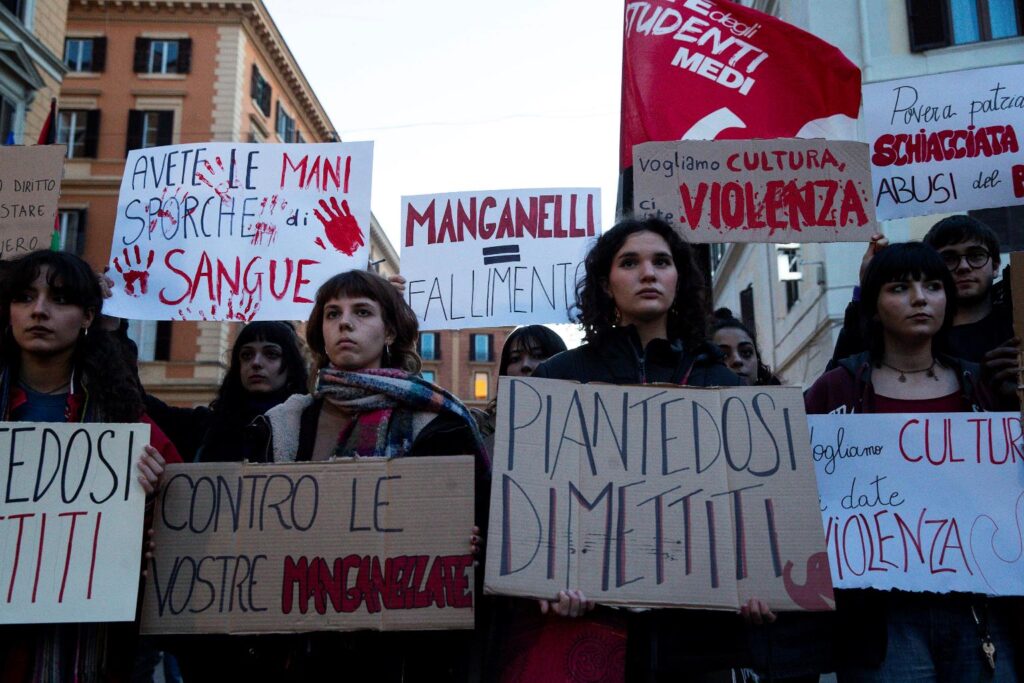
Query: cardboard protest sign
[[226, 231], [656, 495], [757, 190], [334, 546], [922, 502], [948, 142], [711, 69], [70, 521], [489, 259], [29, 189]]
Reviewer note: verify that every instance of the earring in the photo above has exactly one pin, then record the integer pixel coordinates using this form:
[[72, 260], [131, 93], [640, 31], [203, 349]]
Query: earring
[[86, 331], [618, 317], [387, 353]]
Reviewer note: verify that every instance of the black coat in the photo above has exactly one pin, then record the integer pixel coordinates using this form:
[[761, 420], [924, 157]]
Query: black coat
[[661, 644]]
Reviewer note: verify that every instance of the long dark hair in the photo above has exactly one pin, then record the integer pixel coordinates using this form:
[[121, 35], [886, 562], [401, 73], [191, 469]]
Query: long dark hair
[[900, 263], [99, 364], [546, 339], [687, 318], [724, 319], [232, 396], [399, 319]]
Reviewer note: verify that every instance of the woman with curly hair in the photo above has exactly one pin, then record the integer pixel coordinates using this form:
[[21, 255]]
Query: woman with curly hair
[[59, 366], [643, 307], [369, 401]]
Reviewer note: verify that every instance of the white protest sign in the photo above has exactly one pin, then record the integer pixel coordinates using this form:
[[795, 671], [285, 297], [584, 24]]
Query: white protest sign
[[489, 259], [225, 231], [948, 142], [922, 502], [70, 521]]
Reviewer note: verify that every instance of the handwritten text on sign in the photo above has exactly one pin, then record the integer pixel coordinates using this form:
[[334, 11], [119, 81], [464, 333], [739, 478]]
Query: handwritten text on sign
[[757, 190], [655, 495], [29, 189], [496, 258], [922, 502], [373, 544], [222, 231], [947, 143], [71, 514]]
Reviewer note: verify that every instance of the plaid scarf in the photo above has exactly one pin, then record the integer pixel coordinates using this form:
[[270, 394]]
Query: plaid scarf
[[384, 403]]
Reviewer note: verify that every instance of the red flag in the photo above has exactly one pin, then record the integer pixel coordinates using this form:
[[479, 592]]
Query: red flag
[[710, 69], [49, 132]]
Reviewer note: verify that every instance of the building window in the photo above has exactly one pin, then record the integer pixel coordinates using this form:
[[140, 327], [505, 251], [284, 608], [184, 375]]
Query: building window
[[789, 273], [16, 7], [152, 337], [7, 111], [717, 254], [429, 376], [79, 130], [72, 230], [158, 56], [1006, 222], [941, 23], [430, 349], [85, 54], [298, 137], [481, 385], [747, 316], [284, 125], [261, 91], [149, 128], [480, 348]]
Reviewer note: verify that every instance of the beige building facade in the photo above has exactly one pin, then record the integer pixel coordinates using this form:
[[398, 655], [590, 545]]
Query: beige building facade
[[31, 67]]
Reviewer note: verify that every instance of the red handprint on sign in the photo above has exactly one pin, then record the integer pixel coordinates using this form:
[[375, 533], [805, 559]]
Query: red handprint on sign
[[247, 309], [341, 227], [139, 274], [221, 185], [264, 229]]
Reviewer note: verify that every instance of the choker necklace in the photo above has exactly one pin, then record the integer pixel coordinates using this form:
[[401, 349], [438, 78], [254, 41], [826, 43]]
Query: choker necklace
[[929, 371]]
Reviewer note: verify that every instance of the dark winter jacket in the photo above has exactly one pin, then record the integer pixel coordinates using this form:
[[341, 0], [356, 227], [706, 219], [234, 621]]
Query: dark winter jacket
[[848, 388], [661, 644]]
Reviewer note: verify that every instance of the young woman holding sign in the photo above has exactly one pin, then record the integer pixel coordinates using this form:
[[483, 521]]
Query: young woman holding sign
[[369, 402], [58, 366], [907, 300], [643, 308]]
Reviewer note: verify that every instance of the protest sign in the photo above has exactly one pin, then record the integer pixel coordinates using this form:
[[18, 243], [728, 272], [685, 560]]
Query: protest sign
[[757, 190], [710, 69], [922, 502], [226, 231], [29, 189], [488, 259], [948, 142], [335, 546], [70, 522], [656, 495], [1017, 294]]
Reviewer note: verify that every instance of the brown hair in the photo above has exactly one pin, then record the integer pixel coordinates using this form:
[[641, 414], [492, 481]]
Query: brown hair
[[399, 319]]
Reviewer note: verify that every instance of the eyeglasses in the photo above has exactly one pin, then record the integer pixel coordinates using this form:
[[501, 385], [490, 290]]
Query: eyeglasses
[[976, 258]]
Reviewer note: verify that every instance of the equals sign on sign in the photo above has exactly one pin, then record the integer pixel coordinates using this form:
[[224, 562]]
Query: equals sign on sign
[[501, 254]]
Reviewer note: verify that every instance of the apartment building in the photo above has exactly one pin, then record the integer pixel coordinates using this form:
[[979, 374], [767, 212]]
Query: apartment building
[[31, 69]]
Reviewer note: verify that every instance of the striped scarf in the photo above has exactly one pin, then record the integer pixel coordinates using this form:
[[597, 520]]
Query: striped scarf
[[384, 403]]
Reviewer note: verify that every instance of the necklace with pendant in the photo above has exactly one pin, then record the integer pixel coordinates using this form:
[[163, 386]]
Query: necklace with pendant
[[928, 371]]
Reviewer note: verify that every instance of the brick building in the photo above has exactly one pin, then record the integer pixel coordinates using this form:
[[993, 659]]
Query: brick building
[[148, 74], [464, 361], [31, 70]]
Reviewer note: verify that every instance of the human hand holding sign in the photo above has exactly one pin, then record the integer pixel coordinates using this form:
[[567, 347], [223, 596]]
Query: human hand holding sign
[[341, 227], [134, 272]]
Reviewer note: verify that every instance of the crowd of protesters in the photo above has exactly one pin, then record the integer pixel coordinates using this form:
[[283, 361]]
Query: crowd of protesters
[[927, 331]]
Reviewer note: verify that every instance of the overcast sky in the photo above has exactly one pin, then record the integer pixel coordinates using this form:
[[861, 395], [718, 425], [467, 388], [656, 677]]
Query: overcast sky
[[467, 94]]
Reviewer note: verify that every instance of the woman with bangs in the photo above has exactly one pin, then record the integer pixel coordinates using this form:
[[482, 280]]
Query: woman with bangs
[[58, 365], [369, 402], [908, 302]]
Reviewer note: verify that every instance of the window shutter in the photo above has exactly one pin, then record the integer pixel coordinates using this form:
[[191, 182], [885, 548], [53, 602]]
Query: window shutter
[[490, 348], [163, 340], [141, 64], [254, 85], [165, 128], [134, 130], [277, 119], [928, 21], [92, 133], [99, 54], [185, 56]]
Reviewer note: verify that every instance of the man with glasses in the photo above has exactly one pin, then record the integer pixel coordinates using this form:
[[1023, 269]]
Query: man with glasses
[[983, 327]]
